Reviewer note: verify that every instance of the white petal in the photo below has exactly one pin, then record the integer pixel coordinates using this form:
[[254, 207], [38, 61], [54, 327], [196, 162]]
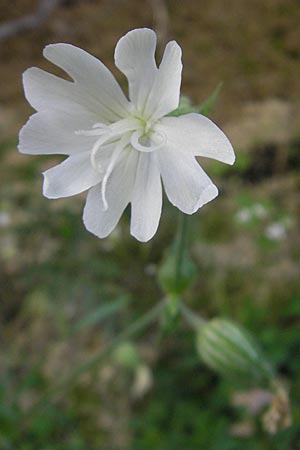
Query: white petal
[[72, 176], [164, 95], [155, 92], [198, 135], [49, 132], [146, 201], [119, 188], [45, 91], [94, 78], [186, 184], [134, 56]]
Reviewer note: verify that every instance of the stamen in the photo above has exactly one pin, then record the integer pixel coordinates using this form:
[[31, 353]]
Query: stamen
[[99, 125], [97, 130], [102, 140], [124, 125], [109, 133], [135, 141], [114, 158]]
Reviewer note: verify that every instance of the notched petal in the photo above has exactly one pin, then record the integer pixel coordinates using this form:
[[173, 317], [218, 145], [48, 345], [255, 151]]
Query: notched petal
[[165, 92], [135, 57]]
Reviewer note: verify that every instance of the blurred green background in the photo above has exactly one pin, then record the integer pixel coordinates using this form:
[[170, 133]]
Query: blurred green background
[[64, 294]]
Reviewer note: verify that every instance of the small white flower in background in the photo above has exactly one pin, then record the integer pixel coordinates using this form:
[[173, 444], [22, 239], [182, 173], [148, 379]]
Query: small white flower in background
[[260, 211], [120, 149], [246, 214], [243, 215], [276, 231], [5, 219]]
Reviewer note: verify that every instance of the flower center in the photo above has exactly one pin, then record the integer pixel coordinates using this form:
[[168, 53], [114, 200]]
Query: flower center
[[134, 131], [145, 139], [148, 142]]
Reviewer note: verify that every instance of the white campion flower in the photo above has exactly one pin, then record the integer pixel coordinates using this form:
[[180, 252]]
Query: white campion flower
[[120, 149]]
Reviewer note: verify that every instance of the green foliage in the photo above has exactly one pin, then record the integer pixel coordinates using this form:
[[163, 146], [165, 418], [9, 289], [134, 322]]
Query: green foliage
[[190, 410], [65, 295], [186, 106], [100, 314], [52, 428], [170, 283]]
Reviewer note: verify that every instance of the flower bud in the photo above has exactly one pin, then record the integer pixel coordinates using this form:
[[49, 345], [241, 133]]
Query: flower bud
[[170, 283], [126, 355], [231, 351]]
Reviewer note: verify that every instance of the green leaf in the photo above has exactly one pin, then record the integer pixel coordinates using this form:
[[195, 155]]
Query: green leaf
[[185, 105], [101, 313], [205, 107]]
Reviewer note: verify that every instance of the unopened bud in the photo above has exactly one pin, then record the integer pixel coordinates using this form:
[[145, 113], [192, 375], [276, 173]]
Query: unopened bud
[[231, 351], [126, 355], [171, 283]]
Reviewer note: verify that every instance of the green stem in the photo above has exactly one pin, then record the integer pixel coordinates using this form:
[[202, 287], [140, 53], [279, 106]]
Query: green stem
[[181, 244], [180, 248], [193, 319], [133, 329]]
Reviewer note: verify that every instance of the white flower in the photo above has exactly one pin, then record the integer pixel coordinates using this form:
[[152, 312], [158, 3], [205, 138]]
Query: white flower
[[246, 214], [120, 149], [276, 231], [243, 215]]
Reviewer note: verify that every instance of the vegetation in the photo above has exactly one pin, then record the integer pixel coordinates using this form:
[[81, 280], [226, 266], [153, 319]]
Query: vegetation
[[67, 381]]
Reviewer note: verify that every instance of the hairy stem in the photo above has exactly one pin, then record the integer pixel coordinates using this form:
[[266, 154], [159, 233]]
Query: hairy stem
[[181, 244]]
